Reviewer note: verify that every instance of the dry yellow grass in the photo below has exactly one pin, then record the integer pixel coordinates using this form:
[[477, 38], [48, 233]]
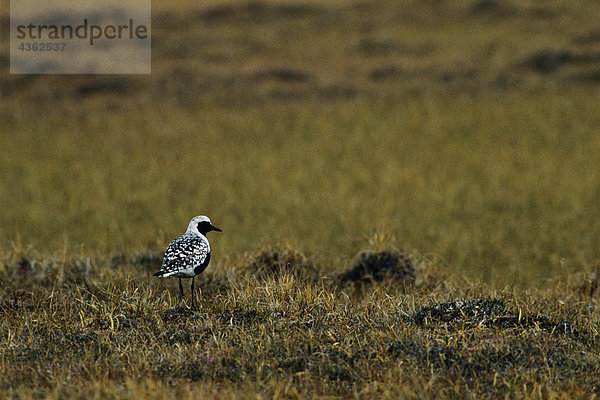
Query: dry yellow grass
[[82, 328]]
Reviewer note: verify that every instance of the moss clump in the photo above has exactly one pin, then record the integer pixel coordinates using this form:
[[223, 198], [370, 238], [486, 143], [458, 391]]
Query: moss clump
[[385, 266], [277, 260]]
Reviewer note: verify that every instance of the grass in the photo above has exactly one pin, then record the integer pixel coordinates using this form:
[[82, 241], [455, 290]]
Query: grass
[[274, 335], [491, 184], [408, 205]]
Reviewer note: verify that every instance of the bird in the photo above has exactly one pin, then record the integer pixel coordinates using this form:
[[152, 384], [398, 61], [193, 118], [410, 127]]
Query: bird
[[189, 254]]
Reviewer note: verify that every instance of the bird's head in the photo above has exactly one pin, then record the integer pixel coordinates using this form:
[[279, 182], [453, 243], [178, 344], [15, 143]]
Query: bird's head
[[201, 224]]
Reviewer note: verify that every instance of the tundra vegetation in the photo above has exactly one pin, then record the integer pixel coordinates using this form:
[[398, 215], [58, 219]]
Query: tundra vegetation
[[408, 192]]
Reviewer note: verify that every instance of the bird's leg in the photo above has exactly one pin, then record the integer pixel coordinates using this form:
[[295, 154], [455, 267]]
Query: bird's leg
[[193, 277], [180, 288]]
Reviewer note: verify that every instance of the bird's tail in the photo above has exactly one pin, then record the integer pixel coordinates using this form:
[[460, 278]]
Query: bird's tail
[[159, 273]]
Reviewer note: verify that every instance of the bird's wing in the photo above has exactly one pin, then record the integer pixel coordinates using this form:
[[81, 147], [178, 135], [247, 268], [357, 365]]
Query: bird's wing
[[184, 253]]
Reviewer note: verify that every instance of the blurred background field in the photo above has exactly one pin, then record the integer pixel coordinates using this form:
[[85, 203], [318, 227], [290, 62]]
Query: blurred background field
[[452, 145], [501, 187]]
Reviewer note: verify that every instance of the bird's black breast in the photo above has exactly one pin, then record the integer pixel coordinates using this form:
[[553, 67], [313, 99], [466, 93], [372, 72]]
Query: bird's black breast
[[202, 266]]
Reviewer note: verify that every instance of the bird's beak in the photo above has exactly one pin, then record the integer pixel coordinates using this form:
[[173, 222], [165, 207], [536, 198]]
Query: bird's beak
[[214, 228]]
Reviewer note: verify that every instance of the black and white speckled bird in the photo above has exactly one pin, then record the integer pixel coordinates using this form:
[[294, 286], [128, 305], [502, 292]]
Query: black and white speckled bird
[[189, 254]]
